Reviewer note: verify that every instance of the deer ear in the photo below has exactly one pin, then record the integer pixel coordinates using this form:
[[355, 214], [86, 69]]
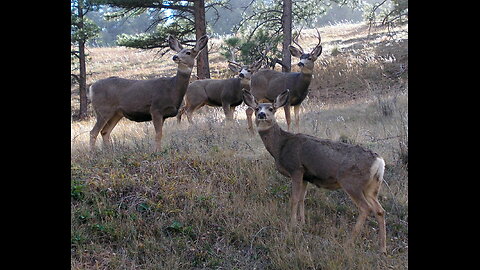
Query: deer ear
[[249, 99], [317, 51], [201, 43], [174, 44], [294, 51], [281, 99]]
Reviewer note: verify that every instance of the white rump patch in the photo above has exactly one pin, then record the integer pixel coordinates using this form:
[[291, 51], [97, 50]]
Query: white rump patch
[[377, 169]]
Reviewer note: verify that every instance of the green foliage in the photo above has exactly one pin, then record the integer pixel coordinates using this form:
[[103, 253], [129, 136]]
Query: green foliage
[[178, 228], [112, 26], [268, 15], [390, 12], [82, 28], [249, 49], [77, 190], [88, 31], [158, 38]]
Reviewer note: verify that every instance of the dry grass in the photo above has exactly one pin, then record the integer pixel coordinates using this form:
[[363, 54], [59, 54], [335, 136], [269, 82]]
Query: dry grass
[[212, 198]]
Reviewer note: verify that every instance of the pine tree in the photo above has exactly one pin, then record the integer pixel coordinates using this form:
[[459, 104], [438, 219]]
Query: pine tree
[[183, 19], [82, 30]]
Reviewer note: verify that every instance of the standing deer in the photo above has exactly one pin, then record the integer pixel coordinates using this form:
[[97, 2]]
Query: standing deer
[[226, 93], [143, 100], [324, 163], [268, 84]]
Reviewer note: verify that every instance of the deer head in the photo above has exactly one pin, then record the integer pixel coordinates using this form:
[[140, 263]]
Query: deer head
[[245, 72], [265, 112], [186, 57], [306, 59]]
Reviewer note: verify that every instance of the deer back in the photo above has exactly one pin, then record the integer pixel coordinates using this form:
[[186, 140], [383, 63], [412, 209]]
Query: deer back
[[324, 162], [261, 83], [268, 84], [214, 92], [130, 95]]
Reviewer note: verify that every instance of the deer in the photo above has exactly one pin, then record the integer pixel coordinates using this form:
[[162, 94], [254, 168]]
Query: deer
[[324, 163], [266, 84], [226, 93], [143, 100]]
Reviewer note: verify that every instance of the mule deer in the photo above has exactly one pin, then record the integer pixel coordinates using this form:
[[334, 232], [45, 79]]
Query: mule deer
[[143, 100], [324, 163], [226, 93], [267, 84]]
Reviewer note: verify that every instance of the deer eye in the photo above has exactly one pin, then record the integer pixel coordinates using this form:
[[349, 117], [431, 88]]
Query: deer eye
[[270, 109], [309, 58], [256, 109], [188, 53], [248, 70]]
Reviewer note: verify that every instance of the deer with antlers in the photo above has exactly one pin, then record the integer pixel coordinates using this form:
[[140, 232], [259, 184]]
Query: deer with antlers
[[324, 163], [266, 84], [143, 100], [226, 93]]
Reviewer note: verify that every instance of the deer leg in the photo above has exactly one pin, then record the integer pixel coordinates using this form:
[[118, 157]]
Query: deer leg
[[287, 115], [249, 113], [303, 193], [372, 196], [158, 125], [380, 216], [297, 193], [179, 114], [296, 110], [358, 197], [232, 111], [107, 129], [228, 112], [101, 122], [189, 111]]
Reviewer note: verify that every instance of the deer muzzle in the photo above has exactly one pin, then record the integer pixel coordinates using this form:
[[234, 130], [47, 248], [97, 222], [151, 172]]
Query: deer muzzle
[[262, 115]]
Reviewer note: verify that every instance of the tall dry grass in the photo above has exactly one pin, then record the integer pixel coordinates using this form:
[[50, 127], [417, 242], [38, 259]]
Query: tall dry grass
[[212, 199]]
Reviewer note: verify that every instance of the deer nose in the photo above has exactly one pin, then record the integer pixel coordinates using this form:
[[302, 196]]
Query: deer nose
[[175, 57], [241, 75], [300, 64], [262, 115]]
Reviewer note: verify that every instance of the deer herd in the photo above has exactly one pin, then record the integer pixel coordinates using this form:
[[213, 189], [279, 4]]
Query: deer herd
[[303, 158]]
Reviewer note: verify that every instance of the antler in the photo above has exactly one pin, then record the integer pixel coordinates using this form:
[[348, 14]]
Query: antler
[[319, 38], [263, 54], [295, 39], [234, 63]]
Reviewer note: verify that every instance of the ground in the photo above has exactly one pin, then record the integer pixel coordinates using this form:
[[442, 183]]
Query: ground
[[212, 198]]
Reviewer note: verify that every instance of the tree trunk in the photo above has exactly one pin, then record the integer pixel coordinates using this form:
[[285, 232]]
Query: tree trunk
[[82, 82], [287, 35], [203, 68], [83, 70]]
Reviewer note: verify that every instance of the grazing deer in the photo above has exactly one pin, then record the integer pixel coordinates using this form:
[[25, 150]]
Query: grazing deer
[[143, 100], [324, 163], [267, 84], [226, 93]]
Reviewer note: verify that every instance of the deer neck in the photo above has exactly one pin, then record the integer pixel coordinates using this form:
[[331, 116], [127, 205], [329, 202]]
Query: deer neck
[[181, 83], [299, 86], [306, 75], [245, 83], [273, 138]]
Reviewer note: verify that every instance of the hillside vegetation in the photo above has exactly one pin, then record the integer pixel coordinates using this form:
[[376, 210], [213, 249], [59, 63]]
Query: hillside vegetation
[[212, 199]]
